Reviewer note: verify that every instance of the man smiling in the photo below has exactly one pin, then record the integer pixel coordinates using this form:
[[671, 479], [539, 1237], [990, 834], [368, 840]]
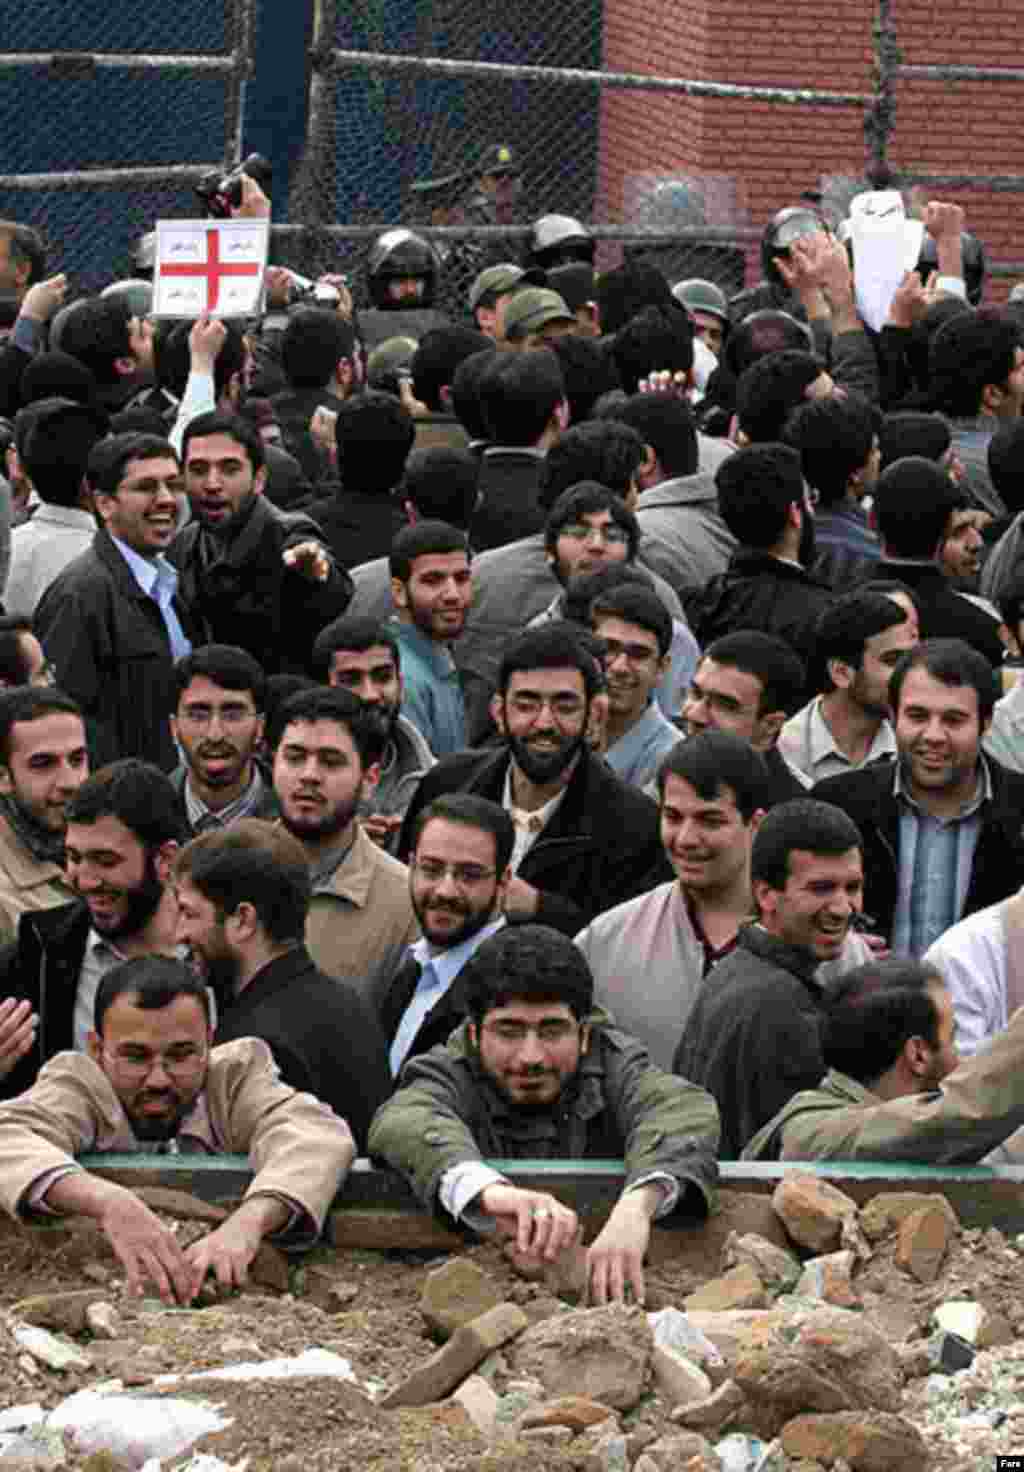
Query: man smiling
[[751, 1038]]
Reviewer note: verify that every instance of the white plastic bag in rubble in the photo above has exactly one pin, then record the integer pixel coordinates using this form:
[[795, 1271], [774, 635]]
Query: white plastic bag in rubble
[[135, 1428]]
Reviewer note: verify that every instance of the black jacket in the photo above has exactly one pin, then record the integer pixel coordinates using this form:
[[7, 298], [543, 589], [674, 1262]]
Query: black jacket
[[601, 846], [324, 1038], [752, 1036], [447, 1013], [757, 591], [109, 647], [293, 409], [945, 614], [242, 593], [358, 525], [867, 795], [507, 508], [41, 966]]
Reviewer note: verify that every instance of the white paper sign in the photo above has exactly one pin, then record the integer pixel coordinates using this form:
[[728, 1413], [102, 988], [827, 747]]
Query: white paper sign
[[886, 245], [211, 266]]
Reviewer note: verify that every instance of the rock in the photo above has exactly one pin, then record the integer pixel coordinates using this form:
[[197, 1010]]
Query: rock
[[777, 1269], [603, 1353], [549, 1434], [829, 1278], [740, 1287], [48, 1349], [678, 1378], [96, 1272], [574, 1411], [679, 1451], [103, 1321], [511, 1407], [470, 1344], [232, 1348], [479, 1402], [815, 1214], [322, 1288], [568, 1276], [64, 1313], [456, 1293], [883, 1213], [727, 1331], [868, 1441], [949, 1353], [607, 1453], [924, 1236], [715, 1412], [826, 1360], [270, 1269], [963, 1317]]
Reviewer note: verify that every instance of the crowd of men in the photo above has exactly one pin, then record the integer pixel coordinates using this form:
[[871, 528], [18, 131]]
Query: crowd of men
[[581, 723]]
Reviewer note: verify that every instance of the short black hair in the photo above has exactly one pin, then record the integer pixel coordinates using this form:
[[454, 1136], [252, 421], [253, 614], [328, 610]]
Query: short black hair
[[803, 824], [96, 333], [913, 501], [602, 450], [374, 433], [833, 438], [519, 393], [771, 388], [354, 632], [952, 662], [438, 355], [251, 862], [583, 500], [913, 432], [666, 423], [1006, 462], [25, 244], [320, 703], [527, 963], [657, 338], [225, 665], [626, 291], [1010, 601], [635, 605], [29, 703], [769, 659], [110, 457], [580, 595], [842, 630], [588, 370], [424, 539], [139, 795], [14, 670], [313, 344], [968, 353], [465, 392], [172, 357], [711, 760], [475, 812], [441, 483], [156, 981], [551, 646], [234, 426], [760, 334], [870, 1012], [756, 488]]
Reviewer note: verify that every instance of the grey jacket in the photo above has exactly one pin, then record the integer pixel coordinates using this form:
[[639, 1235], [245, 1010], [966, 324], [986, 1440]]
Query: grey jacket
[[683, 538], [446, 1112]]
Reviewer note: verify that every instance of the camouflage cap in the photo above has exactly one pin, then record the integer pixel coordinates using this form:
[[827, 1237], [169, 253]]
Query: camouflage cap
[[532, 309], [499, 279]]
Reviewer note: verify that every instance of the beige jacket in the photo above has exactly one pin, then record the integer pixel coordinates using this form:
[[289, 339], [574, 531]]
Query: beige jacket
[[26, 883], [360, 924], [298, 1147]]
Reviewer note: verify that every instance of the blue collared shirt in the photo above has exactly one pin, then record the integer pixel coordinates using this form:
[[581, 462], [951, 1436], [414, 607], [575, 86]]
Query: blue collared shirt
[[936, 859], [159, 581], [637, 755], [436, 978], [432, 694]]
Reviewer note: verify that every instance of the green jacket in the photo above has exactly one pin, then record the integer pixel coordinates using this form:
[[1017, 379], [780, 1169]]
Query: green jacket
[[618, 1106], [974, 1109]]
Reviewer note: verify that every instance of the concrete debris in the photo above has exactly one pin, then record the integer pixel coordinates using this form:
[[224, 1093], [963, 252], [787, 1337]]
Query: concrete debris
[[440, 1374], [830, 1279], [679, 1380], [924, 1237], [882, 1215], [456, 1293], [814, 1213], [602, 1353], [49, 1350], [869, 1441], [739, 1288], [713, 1414], [777, 1269]]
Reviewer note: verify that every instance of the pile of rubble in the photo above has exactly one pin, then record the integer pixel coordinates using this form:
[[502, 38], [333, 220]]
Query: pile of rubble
[[839, 1337]]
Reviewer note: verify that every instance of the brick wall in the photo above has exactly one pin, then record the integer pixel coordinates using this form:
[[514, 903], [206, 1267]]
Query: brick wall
[[772, 151]]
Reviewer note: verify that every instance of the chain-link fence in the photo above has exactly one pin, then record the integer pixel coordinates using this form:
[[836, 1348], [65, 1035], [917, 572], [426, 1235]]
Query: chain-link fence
[[109, 114]]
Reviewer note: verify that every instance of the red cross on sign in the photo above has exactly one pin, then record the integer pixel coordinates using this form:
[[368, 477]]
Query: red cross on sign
[[213, 269]]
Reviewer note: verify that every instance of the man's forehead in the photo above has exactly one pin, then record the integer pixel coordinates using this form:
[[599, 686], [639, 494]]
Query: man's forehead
[[921, 688], [714, 676], [216, 447], [107, 832], [150, 467], [628, 630], [806, 864], [445, 837], [516, 1011], [363, 659], [180, 1020], [56, 730], [204, 688], [548, 680], [428, 562], [681, 794], [322, 735]]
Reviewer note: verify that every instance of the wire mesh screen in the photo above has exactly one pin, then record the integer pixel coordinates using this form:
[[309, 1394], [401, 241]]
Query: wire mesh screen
[[89, 91]]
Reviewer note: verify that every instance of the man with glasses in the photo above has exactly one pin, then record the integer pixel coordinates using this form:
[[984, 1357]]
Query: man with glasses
[[218, 726], [458, 875], [634, 628], [535, 1074], [112, 623], [151, 1081], [585, 840]]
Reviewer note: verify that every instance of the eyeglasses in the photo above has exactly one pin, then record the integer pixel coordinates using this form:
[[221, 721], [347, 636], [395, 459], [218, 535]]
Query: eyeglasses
[[562, 707], [176, 1061], [152, 486], [550, 1033], [615, 536], [635, 653], [228, 715], [463, 875]]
